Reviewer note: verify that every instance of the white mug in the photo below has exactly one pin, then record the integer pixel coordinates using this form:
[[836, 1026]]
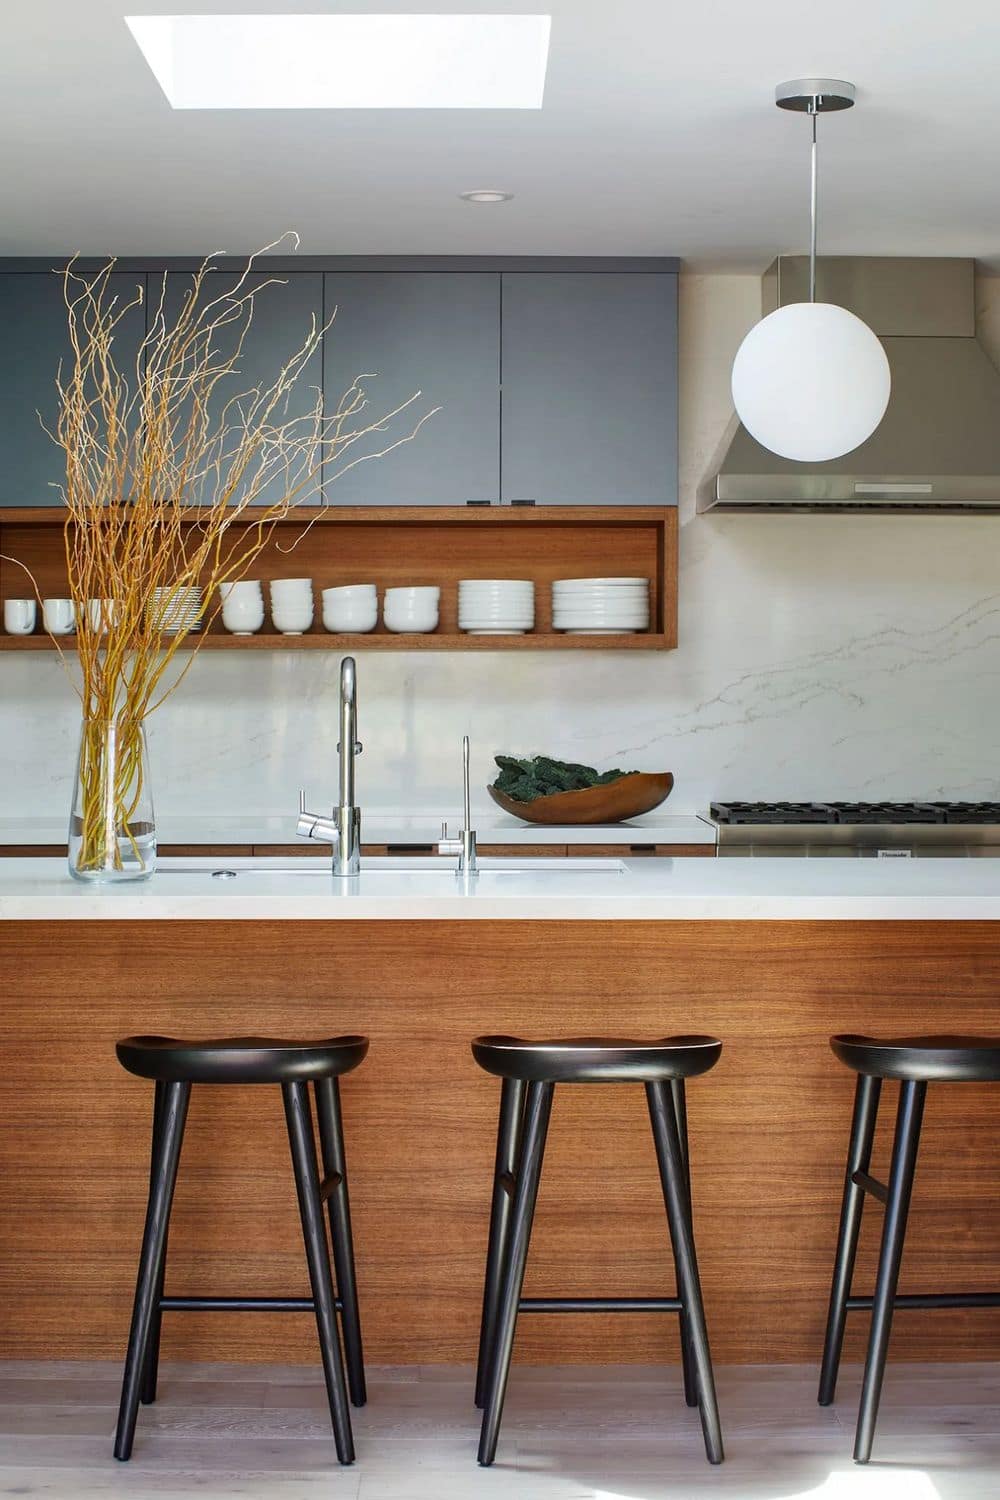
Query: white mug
[[58, 616], [19, 616]]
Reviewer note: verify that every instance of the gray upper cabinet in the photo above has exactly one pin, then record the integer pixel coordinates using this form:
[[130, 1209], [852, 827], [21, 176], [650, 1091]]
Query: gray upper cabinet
[[34, 337], [279, 326], [590, 388], [433, 332]]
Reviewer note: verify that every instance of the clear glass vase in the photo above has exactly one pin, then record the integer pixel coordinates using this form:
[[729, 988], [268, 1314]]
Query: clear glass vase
[[112, 831]]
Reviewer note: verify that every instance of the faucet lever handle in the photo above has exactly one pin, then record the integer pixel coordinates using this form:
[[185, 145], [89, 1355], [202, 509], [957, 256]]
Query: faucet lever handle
[[302, 800]]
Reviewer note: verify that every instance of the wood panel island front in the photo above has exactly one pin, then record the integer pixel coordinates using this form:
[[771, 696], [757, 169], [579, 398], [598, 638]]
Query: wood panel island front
[[772, 956]]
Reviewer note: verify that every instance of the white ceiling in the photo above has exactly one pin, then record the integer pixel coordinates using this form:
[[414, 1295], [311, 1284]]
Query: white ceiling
[[658, 136]]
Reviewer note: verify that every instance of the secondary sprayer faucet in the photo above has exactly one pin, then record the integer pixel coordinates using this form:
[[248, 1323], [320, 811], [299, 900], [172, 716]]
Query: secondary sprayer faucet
[[343, 829], [465, 845]]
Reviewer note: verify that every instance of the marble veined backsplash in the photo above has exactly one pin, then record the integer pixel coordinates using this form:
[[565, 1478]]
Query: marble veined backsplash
[[841, 656]]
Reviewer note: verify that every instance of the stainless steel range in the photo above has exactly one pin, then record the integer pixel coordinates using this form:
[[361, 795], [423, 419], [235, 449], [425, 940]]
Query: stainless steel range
[[858, 830]]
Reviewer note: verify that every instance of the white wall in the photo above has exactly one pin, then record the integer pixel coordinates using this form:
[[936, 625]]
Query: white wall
[[841, 656]]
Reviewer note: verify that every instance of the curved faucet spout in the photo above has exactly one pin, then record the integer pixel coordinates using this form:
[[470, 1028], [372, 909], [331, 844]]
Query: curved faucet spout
[[348, 746], [343, 829]]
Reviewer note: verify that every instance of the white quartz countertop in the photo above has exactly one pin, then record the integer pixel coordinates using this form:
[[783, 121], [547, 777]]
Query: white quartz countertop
[[562, 890], [391, 827]]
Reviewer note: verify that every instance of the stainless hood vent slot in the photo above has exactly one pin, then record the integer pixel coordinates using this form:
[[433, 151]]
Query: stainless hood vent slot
[[938, 445]]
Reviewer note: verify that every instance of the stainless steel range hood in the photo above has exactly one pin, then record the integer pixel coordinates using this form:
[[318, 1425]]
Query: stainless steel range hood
[[938, 445]]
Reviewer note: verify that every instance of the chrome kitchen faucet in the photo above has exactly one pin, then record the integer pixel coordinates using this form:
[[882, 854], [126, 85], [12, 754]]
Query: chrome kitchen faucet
[[343, 829]]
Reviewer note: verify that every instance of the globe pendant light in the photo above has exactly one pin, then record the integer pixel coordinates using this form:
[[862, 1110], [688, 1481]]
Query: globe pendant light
[[811, 381]]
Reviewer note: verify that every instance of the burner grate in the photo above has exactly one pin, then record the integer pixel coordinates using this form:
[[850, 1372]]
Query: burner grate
[[858, 813], [772, 812]]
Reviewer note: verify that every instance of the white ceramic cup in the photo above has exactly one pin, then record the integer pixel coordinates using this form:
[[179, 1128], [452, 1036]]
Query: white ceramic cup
[[100, 614], [19, 616], [58, 616]]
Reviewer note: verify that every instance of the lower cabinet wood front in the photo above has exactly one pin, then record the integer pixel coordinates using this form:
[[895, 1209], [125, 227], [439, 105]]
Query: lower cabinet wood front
[[768, 1129]]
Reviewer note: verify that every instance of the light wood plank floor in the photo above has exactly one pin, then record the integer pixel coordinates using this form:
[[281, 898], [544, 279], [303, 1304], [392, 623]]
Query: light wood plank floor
[[618, 1433]]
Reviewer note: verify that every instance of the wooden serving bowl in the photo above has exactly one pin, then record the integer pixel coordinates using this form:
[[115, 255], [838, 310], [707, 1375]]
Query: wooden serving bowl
[[639, 792]]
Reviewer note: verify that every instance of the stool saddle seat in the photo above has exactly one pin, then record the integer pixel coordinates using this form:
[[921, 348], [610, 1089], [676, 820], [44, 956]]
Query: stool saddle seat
[[240, 1059], [596, 1059], [922, 1059]]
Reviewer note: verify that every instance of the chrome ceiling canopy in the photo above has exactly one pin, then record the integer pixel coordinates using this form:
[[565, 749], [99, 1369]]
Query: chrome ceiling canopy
[[938, 445]]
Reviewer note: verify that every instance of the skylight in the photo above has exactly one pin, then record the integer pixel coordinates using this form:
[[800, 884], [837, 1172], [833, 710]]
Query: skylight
[[347, 62]]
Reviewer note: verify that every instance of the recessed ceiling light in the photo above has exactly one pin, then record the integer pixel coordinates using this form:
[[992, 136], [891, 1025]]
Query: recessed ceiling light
[[347, 62], [486, 195]]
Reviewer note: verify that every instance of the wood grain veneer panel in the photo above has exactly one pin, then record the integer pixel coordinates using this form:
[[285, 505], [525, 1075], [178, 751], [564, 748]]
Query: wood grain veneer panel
[[768, 1129]]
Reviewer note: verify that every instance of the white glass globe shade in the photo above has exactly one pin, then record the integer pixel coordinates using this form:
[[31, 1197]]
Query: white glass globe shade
[[811, 381]]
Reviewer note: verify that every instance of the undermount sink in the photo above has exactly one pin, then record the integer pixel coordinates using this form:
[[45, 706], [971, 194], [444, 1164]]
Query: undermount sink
[[442, 868]]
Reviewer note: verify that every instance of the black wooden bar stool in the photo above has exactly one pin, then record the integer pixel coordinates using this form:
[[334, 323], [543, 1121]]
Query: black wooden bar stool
[[530, 1071], [175, 1066], [915, 1062]]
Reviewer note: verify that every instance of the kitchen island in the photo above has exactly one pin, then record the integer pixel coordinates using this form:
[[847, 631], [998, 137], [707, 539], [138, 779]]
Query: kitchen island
[[772, 955]]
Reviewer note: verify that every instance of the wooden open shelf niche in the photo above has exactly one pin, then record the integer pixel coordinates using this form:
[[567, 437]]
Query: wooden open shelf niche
[[410, 545]]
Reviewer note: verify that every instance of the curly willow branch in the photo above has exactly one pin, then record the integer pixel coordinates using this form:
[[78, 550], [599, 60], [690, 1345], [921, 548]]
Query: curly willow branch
[[147, 441]]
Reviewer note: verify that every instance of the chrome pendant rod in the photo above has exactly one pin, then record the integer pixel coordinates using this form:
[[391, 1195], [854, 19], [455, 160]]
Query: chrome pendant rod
[[813, 97]]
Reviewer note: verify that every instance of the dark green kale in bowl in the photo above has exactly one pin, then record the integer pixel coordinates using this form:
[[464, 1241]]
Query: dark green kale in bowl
[[540, 776]]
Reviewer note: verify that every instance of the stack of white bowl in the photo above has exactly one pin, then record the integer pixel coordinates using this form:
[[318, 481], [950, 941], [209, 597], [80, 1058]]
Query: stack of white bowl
[[496, 606], [600, 606], [174, 609], [242, 606], [350, 607], [291, 604]]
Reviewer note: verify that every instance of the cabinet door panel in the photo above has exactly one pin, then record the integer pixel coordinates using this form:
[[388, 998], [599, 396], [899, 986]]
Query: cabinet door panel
[[280, 325], [590, 388], [34, 337], [433, 332]]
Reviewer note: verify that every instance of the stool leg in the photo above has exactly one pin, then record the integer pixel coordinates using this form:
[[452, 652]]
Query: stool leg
[[154, 1244], [331, 1140], [687, 1359], [904, 1161], [147, 1394], [859, 1156], [668, 1155], [508, 1142], [529, 1171], [306, 1168]]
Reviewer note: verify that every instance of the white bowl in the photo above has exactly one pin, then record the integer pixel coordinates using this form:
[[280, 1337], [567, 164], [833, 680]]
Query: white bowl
[[424, 594], [291, 619], [575, 583], [494, 583], [289, 585], [486, 616], [494, 586], [600, 617], [345, 592], [574, 622], [402, 622], [350, 618], [600, 601], [246, 588], [470, 619], [243, 616]]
